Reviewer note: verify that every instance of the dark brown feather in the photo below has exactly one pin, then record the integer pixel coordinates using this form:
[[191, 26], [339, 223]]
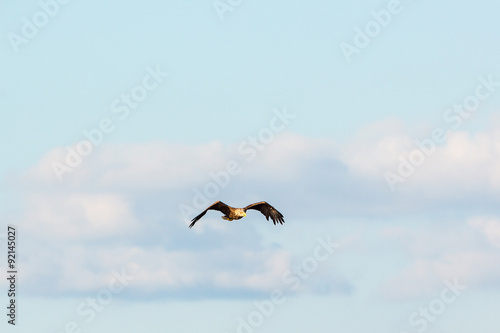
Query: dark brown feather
[[268, 211], [219, 205]]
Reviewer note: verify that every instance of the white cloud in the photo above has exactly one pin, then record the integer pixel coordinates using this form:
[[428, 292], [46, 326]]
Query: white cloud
[[285, 157], [86, 268], [489, 226], [376, 147], [149, 165], [119, 208], [463, 165], [73, 215], [464, 251], [124, 200], [466, 162]]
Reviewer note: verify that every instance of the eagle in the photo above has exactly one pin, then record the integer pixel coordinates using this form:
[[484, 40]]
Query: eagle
[[231, 213]]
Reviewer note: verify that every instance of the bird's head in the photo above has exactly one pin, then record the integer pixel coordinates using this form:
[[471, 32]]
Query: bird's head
[[240, 213]]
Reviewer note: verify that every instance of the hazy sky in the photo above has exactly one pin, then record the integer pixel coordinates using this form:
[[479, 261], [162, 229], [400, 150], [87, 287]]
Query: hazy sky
[[373, 126]]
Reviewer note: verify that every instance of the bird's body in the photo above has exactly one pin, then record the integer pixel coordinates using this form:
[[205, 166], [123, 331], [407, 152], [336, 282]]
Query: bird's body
[[235, 214], [231, 213]]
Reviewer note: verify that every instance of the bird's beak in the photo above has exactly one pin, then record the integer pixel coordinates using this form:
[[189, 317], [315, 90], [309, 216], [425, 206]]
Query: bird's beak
[[244, 214]]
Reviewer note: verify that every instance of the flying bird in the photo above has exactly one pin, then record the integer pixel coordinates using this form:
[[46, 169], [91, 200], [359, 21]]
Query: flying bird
[[231, 213]]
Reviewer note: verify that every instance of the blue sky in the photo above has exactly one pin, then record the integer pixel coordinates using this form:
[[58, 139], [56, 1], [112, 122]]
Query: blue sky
[[122, 121]]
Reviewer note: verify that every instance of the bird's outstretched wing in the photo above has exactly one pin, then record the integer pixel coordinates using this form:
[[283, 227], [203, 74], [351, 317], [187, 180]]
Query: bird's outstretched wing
[[219, 205], [268, 211]]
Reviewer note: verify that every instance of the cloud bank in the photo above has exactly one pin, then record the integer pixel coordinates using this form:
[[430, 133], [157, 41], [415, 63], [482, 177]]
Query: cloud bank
[[125, 206]]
